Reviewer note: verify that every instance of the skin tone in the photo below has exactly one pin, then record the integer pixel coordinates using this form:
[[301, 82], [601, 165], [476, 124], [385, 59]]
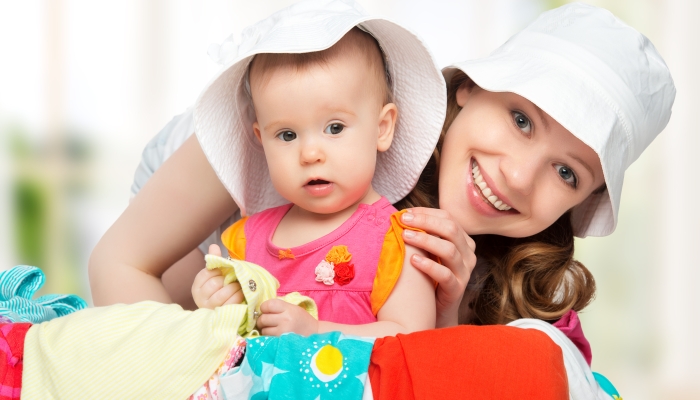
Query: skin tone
[[535, 167], [312, 124], [128, 263]]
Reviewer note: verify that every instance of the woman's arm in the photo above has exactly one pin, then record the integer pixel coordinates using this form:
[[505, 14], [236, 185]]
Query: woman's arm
[[409, 308], [176, 210]]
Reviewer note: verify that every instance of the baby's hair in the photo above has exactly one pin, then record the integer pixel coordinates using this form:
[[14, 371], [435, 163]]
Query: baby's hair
[[531, 277], [356, 43]]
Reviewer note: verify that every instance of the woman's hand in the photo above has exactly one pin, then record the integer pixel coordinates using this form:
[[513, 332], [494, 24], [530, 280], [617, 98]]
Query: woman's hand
[[208, 289], [280, 317], [446, 239]]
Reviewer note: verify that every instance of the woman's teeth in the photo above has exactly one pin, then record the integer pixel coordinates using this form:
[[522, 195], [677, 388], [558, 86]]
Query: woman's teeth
[[486, 191]]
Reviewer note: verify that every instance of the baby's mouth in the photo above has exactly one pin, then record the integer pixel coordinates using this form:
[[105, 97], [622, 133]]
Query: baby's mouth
[[317, 182], [485, 191]]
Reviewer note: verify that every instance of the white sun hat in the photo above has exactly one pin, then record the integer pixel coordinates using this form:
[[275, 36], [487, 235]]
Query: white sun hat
[[224, 116], [599, 78]]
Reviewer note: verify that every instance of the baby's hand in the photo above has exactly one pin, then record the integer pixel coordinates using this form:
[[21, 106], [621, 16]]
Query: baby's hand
[[280, 317], [208, 290]]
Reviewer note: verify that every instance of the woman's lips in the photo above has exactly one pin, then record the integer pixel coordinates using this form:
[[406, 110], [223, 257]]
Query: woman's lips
[[492, 206], [482, 182]]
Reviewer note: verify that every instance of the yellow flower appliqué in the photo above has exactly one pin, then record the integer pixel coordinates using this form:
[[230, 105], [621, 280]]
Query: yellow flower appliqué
[[338, 254]]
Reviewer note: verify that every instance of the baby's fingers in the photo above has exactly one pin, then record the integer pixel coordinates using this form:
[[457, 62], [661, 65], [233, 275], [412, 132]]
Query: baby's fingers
[[202, 278], [228, 294], [215, 250], [273, 306]]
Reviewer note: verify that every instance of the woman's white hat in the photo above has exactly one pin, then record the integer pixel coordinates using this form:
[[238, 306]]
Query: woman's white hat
[[599, 78], [224, 116]]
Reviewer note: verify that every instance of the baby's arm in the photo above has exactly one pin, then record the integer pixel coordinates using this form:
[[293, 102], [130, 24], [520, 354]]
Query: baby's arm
[[410, 307], [208, 289]]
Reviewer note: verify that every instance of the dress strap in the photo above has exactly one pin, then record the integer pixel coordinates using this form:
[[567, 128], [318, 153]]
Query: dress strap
[[391, 262]]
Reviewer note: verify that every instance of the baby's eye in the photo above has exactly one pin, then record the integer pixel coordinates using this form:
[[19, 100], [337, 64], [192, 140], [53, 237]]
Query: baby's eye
[[522, 122], [567, 174], [334, 129], [287, 136]]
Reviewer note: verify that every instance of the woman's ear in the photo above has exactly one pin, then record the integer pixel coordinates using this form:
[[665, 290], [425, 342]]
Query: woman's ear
[[463, 92], [387, 125]]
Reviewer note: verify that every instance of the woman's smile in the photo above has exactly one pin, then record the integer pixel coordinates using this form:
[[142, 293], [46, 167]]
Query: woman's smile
[[486, 191], [483, 196]]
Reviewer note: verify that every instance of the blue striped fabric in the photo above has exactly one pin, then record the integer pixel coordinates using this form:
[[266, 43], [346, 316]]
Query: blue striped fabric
[[18, 285]]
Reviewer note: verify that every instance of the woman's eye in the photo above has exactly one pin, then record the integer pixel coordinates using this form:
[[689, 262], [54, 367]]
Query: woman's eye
[[287, 136], [567, 174], [522, 122], [334, 129]]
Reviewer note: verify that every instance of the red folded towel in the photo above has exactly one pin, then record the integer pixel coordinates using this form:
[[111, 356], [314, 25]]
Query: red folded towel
[[468, 362], [11, 354]]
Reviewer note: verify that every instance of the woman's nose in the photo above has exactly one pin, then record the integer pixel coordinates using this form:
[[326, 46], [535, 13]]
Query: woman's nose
[[311, 152], [521, 173]]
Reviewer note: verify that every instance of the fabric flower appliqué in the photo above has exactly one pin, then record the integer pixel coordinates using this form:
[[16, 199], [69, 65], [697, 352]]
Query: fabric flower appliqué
[[336, 268], [324, 272], [344, 272]]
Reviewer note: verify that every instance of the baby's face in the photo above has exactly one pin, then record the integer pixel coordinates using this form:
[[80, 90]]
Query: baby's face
[[510, 169], [321, 128]]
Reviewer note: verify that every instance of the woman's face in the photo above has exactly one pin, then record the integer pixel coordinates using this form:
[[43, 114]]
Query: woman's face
[[508, 168]]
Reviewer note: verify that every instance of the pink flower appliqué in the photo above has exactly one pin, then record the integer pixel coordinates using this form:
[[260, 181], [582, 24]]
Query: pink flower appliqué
[[324, 272]]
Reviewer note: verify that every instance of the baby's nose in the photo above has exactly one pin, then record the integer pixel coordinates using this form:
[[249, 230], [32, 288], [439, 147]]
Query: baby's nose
[[311, 152]]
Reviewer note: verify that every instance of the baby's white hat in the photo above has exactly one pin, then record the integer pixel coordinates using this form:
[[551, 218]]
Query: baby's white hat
[[224, 116], [599, 78]]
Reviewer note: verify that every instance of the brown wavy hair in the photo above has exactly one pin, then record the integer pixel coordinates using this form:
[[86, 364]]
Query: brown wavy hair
[[530, 277]]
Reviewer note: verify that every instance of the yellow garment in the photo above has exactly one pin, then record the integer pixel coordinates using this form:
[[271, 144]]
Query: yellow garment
[[258, 285], [146, 350]]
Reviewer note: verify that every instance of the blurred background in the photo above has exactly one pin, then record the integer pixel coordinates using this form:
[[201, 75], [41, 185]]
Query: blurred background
[[85, 84]]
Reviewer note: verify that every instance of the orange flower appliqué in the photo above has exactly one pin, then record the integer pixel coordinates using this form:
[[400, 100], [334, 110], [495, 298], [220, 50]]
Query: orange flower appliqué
[[285, 254]]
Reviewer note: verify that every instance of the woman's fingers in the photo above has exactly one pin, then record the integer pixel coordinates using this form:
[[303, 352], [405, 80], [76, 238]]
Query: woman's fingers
[[446, 239], [439, 223], [460, 262], [437, 272]]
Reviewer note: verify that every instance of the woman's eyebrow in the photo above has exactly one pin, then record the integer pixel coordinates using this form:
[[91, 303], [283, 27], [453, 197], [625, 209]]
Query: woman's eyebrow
[[588, 167]]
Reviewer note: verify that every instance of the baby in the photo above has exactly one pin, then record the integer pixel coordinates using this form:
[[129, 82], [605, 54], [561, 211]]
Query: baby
[[322, 118]]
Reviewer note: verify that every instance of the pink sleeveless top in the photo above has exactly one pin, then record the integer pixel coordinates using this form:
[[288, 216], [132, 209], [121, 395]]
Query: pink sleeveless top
[[363, 234]]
